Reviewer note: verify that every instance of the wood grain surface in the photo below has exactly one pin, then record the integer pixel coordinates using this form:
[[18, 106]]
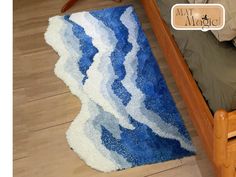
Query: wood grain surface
[[44, 107]]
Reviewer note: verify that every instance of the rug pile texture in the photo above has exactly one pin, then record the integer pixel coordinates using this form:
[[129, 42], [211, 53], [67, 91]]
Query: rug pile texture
[[128, 117]]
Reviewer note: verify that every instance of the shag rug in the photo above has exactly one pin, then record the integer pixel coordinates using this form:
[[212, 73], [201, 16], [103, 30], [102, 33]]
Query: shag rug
[[128, 117]]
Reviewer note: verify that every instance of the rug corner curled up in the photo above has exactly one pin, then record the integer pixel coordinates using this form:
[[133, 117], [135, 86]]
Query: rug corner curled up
[[128, 117]]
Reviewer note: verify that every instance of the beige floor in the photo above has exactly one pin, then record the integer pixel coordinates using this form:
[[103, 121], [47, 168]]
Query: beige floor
[[44, 107]]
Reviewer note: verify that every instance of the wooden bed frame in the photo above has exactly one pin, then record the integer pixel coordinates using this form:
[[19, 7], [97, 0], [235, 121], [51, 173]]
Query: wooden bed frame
[[218, 132]]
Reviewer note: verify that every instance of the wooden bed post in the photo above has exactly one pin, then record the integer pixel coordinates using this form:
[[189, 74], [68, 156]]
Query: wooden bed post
[[222, 157], [220, 137]]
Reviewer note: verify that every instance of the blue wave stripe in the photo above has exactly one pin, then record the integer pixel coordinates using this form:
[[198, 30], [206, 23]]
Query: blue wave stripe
[[107, 121], [86, 47], [151, 82], [136, 107], [111, 18], [142, 146]]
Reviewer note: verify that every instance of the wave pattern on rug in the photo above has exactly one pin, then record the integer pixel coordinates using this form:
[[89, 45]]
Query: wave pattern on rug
[[128, 117]]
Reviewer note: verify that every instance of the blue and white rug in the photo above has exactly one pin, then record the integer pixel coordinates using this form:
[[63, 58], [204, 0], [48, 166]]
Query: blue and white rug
[[128, 117]]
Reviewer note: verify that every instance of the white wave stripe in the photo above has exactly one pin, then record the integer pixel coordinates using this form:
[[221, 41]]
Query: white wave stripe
[[76, 136], [136, 106], [71, 43], [108, 78], [106, 69], [104, 40], [93, 132]]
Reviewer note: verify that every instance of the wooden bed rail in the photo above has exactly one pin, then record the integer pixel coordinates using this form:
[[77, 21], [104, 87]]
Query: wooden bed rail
[[197, 107], [224, 147]]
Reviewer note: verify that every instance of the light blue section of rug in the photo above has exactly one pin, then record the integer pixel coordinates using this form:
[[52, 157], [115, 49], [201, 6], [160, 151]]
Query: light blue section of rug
[[128, 117]]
